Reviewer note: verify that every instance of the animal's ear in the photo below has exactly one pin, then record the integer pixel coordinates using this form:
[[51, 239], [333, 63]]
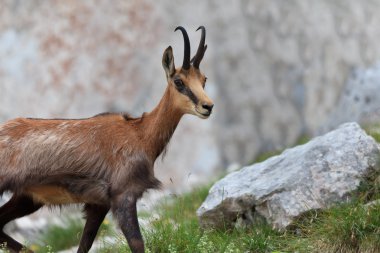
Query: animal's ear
[[168, 62]]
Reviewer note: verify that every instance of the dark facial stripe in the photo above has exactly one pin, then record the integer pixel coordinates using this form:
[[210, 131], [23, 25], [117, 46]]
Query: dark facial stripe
[[187, 92]]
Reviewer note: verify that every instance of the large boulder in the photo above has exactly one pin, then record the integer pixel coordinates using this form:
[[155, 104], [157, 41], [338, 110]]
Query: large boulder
[[315, 175]]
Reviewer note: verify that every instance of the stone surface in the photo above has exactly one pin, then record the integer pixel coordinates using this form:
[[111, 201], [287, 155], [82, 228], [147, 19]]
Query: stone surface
[[311, 176], [359, 101]]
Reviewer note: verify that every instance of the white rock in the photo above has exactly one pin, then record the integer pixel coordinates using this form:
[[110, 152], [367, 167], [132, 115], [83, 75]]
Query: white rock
[[311, 176]]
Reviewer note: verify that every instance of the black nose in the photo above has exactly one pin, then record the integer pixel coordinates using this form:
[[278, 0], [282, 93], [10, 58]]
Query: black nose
[[208, 107]]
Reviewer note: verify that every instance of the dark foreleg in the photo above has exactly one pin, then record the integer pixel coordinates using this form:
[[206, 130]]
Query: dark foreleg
[[16, 207], [124, 210], [95, 215]]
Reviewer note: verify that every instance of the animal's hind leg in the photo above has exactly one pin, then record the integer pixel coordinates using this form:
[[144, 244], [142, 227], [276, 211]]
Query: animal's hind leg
[[125, 212], [18, 206], [95, 215]]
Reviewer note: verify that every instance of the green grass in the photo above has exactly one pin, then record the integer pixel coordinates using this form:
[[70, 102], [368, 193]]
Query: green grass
[[349, 227], [60, 237], [373, 130]]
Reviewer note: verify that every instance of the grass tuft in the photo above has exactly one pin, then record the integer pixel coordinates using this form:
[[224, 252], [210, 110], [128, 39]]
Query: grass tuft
[[374, 131], [61, 237]]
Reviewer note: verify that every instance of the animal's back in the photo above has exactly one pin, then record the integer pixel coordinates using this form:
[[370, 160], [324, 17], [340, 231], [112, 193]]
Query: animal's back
[[71, 154]]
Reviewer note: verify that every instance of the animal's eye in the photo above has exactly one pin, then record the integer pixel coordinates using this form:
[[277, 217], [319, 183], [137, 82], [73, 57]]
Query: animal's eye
[[179, 84]]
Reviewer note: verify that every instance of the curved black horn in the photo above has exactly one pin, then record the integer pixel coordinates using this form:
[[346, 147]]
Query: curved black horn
[[186, 54], [201, 49]]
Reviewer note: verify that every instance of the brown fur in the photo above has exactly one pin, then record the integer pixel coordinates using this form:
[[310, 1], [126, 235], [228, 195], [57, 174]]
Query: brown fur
[[105, 161], [104, 152]]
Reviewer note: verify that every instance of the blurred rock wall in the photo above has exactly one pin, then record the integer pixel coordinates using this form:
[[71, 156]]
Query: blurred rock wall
[[359, 101], [275, 68]]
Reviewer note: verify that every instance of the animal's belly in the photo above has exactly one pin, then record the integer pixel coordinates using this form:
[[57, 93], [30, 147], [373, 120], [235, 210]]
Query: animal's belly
[[53, 195]]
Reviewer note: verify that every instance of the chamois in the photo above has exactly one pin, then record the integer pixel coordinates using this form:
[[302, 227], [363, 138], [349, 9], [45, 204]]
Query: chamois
[[105, 162]]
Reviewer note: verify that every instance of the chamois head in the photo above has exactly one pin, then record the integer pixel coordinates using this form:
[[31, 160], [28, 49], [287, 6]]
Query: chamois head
[[188, 82]]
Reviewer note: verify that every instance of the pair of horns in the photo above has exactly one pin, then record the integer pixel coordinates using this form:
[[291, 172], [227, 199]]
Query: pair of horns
[[200, 52]]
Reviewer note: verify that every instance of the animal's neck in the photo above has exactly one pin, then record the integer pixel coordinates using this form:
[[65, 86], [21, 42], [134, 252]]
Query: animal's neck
[[161, 124]]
